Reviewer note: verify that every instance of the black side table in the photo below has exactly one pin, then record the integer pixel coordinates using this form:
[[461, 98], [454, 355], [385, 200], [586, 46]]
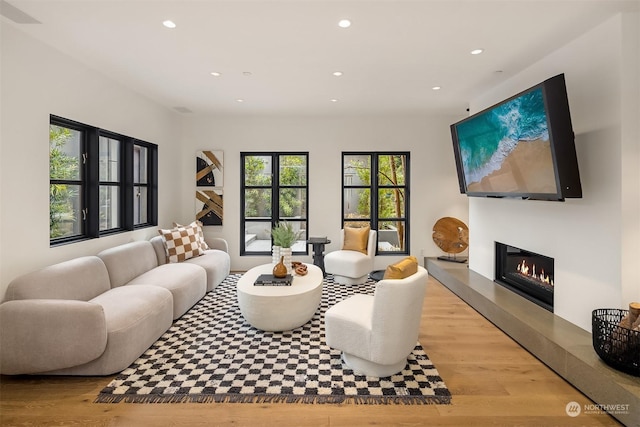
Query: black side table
[[318, 251], [377, 275]]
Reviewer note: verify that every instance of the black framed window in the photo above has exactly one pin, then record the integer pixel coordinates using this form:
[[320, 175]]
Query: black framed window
[[66, 180], [145, 184], [93, 187], [274, 188], [110, 181], [375, 192]]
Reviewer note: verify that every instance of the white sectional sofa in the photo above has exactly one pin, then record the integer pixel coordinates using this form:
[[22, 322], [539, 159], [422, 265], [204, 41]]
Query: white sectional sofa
[[95, 315]]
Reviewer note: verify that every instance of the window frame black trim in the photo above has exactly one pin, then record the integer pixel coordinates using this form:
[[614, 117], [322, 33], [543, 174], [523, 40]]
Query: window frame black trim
[[274, 187], [94, 156], [90, 182], [374, 188]]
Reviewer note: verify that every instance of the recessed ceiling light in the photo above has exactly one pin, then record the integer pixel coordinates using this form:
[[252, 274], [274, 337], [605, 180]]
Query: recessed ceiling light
[[246, 73], [337, 73], [344, 23], [477, 51], [169, 24], [216, 74], [239, 100], [436, 88], [334, 100]]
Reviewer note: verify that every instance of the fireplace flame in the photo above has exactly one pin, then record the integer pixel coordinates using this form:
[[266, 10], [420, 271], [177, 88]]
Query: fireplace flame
[[525, 270]]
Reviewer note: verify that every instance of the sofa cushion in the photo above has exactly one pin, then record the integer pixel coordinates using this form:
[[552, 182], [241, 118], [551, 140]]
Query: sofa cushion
[[216, 263], [401, 269], [40, 335], [77, 279], [158, 245], [181, 243], [128, 261], [136, 316], [187, 283], [356, 239]]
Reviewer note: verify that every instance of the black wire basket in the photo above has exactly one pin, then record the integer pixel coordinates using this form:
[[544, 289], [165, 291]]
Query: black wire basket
[[617, 346]]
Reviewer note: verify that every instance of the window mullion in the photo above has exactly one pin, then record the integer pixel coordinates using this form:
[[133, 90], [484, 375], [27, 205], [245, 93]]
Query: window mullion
[[374, 191], [127, 185], [92, 183], [152, 190], [275, 189], [243, 203]]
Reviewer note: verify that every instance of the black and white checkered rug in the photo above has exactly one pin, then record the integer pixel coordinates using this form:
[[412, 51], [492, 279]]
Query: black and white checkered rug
[[212, 355]]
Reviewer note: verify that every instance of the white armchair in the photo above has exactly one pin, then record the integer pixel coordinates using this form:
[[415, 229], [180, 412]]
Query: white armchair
[[377, 332], [351, 267]]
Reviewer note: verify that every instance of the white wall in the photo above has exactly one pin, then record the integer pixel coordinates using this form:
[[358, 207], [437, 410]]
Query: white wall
[[630, 152], [589, 238], [37, 81], [434, 188]]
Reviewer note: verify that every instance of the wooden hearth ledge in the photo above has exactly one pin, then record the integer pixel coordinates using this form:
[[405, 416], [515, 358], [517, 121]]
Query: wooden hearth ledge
[[561, 345]]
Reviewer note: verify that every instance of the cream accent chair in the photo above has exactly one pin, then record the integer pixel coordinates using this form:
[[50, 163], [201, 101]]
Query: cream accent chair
[[377, 332], [351, 267]]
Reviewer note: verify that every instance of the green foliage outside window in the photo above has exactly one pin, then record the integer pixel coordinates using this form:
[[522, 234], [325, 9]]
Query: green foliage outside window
[[258, 200], [292, 172], [61, 196], [391, 201]]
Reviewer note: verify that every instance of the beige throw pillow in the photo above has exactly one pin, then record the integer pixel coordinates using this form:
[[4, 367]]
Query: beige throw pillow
[[402, 269], [356, 239]]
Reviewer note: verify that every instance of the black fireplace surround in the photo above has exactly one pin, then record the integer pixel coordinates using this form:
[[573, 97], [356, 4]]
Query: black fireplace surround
[[526, 273]]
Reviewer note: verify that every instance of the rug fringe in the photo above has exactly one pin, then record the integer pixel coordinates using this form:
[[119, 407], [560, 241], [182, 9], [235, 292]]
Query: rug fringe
[[225, 398]]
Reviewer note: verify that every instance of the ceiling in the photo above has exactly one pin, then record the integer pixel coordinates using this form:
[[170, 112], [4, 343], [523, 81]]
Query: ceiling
[[279, 57]]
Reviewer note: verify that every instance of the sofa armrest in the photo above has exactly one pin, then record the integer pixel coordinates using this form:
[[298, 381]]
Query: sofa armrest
[[217, 243], [40, 335]]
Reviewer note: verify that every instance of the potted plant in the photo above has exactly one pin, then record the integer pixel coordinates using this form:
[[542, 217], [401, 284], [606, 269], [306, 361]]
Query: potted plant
[[283, 236]]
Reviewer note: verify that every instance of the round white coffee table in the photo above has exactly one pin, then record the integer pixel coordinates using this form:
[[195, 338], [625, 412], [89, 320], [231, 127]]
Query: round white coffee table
[[279, 308]]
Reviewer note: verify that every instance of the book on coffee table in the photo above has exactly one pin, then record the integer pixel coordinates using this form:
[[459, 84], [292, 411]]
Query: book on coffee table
[[271, 280]]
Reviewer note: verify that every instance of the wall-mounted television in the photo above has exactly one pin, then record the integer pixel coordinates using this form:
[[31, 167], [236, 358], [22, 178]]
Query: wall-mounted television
[[522, 147]]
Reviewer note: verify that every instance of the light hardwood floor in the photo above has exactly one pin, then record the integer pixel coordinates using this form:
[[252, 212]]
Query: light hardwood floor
[[492, 379]]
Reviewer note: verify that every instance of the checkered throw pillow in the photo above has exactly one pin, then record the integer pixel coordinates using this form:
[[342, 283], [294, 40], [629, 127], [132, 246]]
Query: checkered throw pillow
[[198, 224], [181, 243]]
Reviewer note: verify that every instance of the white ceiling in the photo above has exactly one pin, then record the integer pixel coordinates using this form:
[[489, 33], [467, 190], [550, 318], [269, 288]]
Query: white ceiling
[[391, 56]]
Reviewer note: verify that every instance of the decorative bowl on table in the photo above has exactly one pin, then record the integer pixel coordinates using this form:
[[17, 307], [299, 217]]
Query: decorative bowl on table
[[299, 268]]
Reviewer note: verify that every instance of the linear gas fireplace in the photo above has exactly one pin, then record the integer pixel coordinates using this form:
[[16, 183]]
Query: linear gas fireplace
[[525, 273]]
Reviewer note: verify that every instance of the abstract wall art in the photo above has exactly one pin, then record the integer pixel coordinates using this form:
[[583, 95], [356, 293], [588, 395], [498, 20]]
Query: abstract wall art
[[209, 206], [209, 172]]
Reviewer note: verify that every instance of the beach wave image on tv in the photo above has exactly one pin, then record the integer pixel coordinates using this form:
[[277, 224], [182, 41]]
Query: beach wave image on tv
[[507, 148]]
